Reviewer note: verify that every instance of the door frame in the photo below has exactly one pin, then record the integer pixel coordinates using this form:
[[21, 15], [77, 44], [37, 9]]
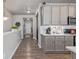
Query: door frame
[[24, 21]]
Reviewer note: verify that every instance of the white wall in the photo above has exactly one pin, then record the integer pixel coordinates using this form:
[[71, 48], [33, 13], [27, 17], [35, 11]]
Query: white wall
[[34, 28], [39, 24], [11, 42], [7, 25], [19, 18], [7, 13]]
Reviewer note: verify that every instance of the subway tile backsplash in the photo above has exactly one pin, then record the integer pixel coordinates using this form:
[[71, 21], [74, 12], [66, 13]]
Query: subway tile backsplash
[[55, 29]]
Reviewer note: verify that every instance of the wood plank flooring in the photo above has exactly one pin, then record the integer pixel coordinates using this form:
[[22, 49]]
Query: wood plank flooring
[[28, 49]]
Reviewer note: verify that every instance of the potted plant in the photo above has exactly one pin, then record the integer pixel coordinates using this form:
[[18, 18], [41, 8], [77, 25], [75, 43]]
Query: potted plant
[[17, 24], [14, 27]]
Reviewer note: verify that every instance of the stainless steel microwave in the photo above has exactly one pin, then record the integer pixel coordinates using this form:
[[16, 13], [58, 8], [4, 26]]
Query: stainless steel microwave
[[71, 20]]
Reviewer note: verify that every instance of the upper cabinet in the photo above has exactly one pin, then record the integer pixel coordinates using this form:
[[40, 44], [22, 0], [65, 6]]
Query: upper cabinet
[[63, 15], [46, 19], [72, 10], [57, 14]]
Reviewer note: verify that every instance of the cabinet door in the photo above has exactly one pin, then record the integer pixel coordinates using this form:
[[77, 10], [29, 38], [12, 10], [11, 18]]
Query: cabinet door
[[68, 41], [64, 15], [49, 44], [59, 43], [42, 42], [55, 15], [46, 15], [72, 10], [73, 55]]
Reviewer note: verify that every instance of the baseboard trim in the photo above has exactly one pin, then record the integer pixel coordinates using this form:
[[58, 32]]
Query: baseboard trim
[[57, 52], [15, 49]]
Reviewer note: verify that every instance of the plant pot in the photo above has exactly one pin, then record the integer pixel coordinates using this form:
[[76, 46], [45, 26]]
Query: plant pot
[[14, 30]]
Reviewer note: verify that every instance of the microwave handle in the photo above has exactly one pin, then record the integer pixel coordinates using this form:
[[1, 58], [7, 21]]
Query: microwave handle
[[68, 20]]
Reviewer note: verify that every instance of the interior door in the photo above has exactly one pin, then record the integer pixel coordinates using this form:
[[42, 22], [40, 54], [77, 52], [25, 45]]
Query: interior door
[[28, 28]]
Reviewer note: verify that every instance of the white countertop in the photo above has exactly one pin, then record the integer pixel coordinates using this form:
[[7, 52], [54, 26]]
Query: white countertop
[[71, 48], [58, 34]]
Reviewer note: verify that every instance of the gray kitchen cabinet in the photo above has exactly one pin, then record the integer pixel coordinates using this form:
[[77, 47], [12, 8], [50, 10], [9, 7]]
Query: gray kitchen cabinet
[[59, 43], [46, 19], [55, 15], [72, 10], [73, 55], [49, 43], [56, 43], [63, 15], [68, 41], [42, 42]]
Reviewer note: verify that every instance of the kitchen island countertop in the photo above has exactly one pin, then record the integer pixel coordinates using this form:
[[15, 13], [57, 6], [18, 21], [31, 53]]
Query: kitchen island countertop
[[71, 48]]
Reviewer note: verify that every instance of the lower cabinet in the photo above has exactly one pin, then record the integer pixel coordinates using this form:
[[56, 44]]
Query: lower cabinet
[[68, 41], [56, 43], [59, 43], [49, 43], [73, 55]]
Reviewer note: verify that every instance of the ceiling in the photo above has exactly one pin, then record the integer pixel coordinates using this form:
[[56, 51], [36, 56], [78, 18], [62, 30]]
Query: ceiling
[[19, 7]]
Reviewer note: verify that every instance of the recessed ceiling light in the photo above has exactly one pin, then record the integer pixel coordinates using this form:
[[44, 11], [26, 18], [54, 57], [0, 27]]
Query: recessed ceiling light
[[5, 18], [28, 11]]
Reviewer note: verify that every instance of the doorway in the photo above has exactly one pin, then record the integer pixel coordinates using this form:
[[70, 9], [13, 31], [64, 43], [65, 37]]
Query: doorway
[[28, 27], [37, 27]]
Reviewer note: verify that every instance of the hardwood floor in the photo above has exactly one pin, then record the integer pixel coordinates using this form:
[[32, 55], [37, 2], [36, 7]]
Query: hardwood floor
[[28, 49]]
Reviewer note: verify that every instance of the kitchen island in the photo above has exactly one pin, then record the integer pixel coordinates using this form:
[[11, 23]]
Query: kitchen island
[[73, 51]]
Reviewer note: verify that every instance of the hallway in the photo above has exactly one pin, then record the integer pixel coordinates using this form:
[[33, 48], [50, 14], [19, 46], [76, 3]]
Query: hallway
[[28, 49]]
